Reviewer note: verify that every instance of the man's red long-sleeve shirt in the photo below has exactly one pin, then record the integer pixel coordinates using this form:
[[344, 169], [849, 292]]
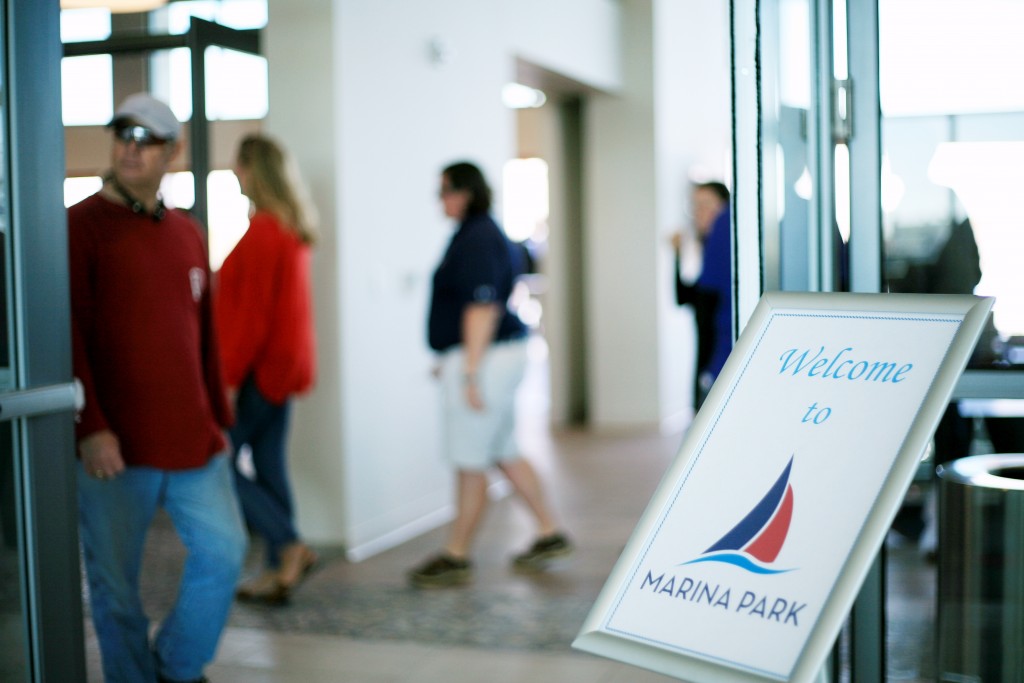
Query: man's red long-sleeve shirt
[[144, 345]]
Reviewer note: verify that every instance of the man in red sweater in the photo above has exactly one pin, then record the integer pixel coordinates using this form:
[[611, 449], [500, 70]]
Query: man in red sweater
[[151, 433]]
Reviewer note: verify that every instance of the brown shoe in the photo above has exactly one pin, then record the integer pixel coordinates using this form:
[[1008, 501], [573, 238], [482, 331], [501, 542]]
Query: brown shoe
[[541, 553], [440, 571], [263, 588], [297, 560]]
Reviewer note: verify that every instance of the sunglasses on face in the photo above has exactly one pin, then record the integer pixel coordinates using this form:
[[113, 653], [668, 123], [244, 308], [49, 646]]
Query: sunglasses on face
[[140, 135]]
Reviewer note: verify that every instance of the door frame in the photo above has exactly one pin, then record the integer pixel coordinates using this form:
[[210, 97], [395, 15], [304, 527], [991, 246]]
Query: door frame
[[751, 232], [44, 433]]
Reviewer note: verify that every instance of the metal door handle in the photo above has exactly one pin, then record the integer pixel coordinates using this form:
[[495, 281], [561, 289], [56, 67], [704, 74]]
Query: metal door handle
[[55, 398]]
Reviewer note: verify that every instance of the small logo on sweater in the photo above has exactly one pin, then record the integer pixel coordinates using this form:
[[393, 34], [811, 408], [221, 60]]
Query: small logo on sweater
[[197, 280], [484, 294]]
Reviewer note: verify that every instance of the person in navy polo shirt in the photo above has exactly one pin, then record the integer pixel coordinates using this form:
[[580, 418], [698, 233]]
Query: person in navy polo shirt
[[482, 359]]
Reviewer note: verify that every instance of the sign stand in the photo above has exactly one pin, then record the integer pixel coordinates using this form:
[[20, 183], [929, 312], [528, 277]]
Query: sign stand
[[752, 550]]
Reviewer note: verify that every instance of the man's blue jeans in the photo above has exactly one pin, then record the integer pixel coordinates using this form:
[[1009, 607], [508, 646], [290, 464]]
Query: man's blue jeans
[[267, 499], [114, 516]]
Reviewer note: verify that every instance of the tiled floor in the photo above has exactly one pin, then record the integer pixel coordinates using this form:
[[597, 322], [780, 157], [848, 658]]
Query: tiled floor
[[601, 485]]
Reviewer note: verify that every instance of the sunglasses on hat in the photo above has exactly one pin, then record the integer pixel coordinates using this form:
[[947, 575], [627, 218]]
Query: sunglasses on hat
[[140, 135]]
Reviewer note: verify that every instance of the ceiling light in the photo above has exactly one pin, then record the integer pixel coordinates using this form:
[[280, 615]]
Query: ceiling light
[[115, 6], [519, 96]]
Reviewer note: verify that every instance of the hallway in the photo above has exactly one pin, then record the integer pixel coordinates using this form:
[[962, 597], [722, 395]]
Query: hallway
[[361, 623]]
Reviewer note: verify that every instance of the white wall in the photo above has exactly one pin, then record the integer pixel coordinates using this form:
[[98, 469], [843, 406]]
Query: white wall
[[578, 39], [622, 282], [693, 127], [359, 94], [372, 118], [302, 42], [671, 122]]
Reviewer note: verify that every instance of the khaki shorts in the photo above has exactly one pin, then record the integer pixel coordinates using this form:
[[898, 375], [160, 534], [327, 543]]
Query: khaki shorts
[[478, 440]]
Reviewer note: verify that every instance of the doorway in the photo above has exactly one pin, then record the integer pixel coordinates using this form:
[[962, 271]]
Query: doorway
[[553, 134]]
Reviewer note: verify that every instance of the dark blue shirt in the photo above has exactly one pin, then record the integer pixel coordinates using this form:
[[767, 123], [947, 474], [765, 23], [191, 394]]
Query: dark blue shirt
[[716, 276], [480, 266]]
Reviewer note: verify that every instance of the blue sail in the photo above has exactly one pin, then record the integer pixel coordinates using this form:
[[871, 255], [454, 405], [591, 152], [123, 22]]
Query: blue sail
[[750, 525]]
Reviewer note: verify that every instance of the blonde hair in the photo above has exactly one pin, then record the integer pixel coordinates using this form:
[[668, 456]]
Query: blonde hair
[[274, 185]]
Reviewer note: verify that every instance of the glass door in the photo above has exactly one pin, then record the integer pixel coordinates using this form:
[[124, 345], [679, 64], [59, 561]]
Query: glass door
[[806, 184], [14, 655], [952, 145], [878, 147], [952, 134], [792, 113], [794, 187], [40, 605]]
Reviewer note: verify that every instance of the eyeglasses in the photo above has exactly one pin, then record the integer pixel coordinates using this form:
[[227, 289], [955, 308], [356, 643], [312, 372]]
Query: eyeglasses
[[140, 135]]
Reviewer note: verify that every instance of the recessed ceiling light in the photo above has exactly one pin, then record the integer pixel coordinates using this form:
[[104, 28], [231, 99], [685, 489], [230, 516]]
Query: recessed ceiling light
[[519, 96]]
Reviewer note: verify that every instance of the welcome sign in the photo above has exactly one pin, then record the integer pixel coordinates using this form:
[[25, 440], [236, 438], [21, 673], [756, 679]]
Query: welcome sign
[[753, 548]]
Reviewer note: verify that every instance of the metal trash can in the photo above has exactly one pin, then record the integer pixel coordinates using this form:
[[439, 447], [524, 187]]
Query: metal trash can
[[981, 570]]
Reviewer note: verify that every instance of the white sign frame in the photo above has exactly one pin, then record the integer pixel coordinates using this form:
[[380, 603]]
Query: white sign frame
[[650, 637]]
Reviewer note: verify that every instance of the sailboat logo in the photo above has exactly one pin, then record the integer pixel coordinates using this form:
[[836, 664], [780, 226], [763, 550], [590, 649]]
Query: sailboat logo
[[755, 542]]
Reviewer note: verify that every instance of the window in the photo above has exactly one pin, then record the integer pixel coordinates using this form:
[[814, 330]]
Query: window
[[952, 138], [86, 82]]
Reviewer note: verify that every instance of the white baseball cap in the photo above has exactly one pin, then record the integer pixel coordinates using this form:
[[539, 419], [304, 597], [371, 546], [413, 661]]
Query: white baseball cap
[[146, 110]]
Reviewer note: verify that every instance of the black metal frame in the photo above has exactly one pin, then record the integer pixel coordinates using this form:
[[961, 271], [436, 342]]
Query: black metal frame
[[45, 463], [868, 616], [201, 35]]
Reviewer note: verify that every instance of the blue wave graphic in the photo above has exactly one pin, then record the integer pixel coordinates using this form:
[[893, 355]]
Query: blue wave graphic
[[740, 560]]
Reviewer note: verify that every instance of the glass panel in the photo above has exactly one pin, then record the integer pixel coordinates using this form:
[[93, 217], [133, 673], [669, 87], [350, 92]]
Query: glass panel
[[239, 14], [178, 190], [84, 24], [236, 85], [7, 378], [525, 211], [525, 208], [87, 90], [228, 215], [952, 142], [952, 139], [171, 79], [13, 620], [77, 189], [13, 654], [87, 83], [787, 84]]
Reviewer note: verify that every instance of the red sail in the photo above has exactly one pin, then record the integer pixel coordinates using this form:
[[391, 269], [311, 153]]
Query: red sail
[[767, 545]]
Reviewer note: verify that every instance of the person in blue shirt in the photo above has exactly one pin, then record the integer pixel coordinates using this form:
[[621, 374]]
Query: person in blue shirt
[[711, 294], [482, 359]]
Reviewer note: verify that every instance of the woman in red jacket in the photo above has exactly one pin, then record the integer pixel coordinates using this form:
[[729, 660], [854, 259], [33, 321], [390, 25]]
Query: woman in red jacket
[[265, 322]]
